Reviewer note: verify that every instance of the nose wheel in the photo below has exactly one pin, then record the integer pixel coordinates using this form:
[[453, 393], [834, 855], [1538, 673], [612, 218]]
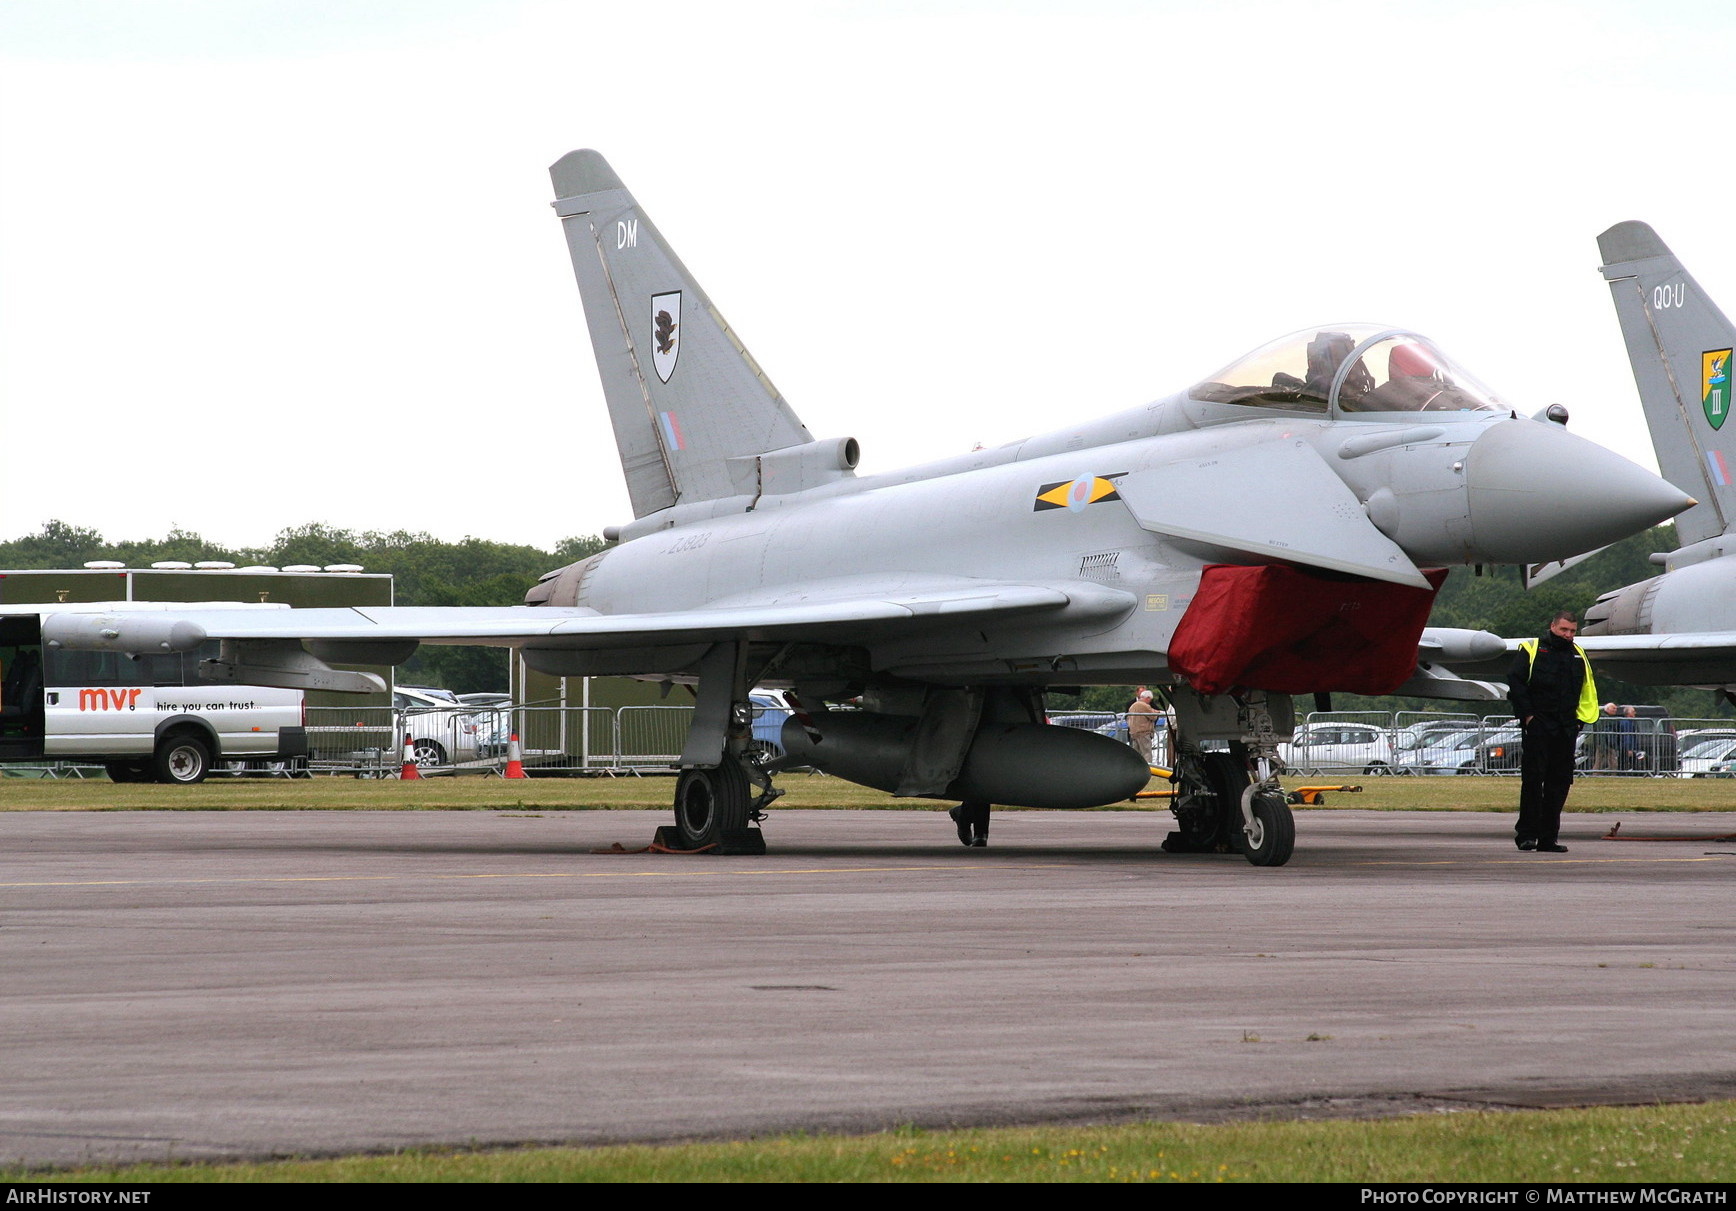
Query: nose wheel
[[1267, 837]]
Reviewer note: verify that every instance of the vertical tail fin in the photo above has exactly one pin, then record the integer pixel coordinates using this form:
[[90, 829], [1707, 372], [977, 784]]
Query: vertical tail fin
[[684, 395], [1680, 347]]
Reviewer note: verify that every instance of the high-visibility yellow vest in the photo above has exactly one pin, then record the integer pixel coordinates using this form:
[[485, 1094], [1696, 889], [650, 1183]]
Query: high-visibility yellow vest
[[1587, 712]]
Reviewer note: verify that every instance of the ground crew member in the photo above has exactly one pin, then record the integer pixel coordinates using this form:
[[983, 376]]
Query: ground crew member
[[1553, 696]]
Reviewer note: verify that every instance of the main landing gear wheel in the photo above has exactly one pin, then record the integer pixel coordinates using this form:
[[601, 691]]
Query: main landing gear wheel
[[1209, 827], [1273, 838], [709, 802]]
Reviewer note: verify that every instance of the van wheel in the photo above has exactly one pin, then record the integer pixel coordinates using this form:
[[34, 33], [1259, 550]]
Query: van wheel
[[128, 771], [183, 760]]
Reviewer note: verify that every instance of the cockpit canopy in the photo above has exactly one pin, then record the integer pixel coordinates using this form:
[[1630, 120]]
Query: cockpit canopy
[[1348, 368]]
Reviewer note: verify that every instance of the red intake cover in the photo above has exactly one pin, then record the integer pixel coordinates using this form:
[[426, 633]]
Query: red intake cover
[[1299, 632]]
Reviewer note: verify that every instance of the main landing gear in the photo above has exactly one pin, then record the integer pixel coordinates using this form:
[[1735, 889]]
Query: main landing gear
[[709, 802], [725, 782], [1220, 809], [715, 807]]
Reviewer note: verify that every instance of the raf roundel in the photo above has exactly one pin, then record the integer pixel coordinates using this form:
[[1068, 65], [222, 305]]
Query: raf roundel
[[1075, 494]]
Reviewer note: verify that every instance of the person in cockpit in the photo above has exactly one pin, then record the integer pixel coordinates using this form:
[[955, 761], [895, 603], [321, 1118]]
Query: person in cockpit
[[1413, 381], [1326, 353]]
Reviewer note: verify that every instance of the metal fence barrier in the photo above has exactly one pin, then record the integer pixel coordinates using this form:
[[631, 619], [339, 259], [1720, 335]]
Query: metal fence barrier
[[51, 770], [1376, 743], [560, 738], [369, 742], [650, 737], [362, 740], [1427, 742], [1114, 724]]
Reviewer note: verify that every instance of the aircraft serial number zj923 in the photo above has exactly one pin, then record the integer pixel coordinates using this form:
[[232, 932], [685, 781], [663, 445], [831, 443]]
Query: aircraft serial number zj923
[[945, 599]]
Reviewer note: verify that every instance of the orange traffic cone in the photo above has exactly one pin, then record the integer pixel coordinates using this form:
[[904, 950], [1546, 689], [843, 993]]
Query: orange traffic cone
[[514, 759], [408, 772]]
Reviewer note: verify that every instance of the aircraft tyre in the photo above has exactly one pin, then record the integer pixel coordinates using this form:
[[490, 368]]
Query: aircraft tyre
[[1274, 835], [182, 759], [1202, 831], [709, 802]]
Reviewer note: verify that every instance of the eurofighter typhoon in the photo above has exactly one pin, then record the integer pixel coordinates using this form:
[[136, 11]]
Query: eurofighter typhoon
[[1279, 527], [1679, 627]]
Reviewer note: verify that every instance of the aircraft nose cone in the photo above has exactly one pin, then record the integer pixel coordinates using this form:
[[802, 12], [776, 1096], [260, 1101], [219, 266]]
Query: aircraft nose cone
[[1536, 492]]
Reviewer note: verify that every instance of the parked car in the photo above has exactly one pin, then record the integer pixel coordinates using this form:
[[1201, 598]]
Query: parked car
[[1711, 757], [1599, 749], [436, 692], [1116, 729], [1339, 746], [1421, 748], [485, 701], [770, 709], [1687, 738], [1087, 721], [1104, 723], [494, 721], [1430, 731], [1720, 769], [440, 732], [1497, 752], [1445, 752]]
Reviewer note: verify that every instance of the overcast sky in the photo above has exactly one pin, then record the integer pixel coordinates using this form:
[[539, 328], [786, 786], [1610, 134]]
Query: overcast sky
[[264, 263]]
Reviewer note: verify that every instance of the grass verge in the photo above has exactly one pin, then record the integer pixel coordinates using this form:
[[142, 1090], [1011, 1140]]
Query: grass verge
[[1683, 1143], [472, 793]]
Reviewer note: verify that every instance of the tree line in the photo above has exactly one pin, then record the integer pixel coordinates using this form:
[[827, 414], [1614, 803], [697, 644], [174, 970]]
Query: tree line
[[426, 571], [475, 572]]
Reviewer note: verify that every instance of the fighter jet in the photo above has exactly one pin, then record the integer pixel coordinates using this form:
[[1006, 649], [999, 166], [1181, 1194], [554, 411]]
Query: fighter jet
[[1278, 527], [1678, 628]]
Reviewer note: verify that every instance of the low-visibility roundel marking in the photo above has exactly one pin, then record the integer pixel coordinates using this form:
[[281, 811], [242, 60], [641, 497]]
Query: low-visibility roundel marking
[[1074, 494]]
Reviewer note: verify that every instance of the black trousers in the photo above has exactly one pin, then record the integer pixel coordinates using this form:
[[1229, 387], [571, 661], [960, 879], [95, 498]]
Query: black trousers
[[1545, 776]]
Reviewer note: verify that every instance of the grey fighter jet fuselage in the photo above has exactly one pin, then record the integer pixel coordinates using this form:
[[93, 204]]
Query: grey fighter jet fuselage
[[1276, 528], [1152, 496]]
